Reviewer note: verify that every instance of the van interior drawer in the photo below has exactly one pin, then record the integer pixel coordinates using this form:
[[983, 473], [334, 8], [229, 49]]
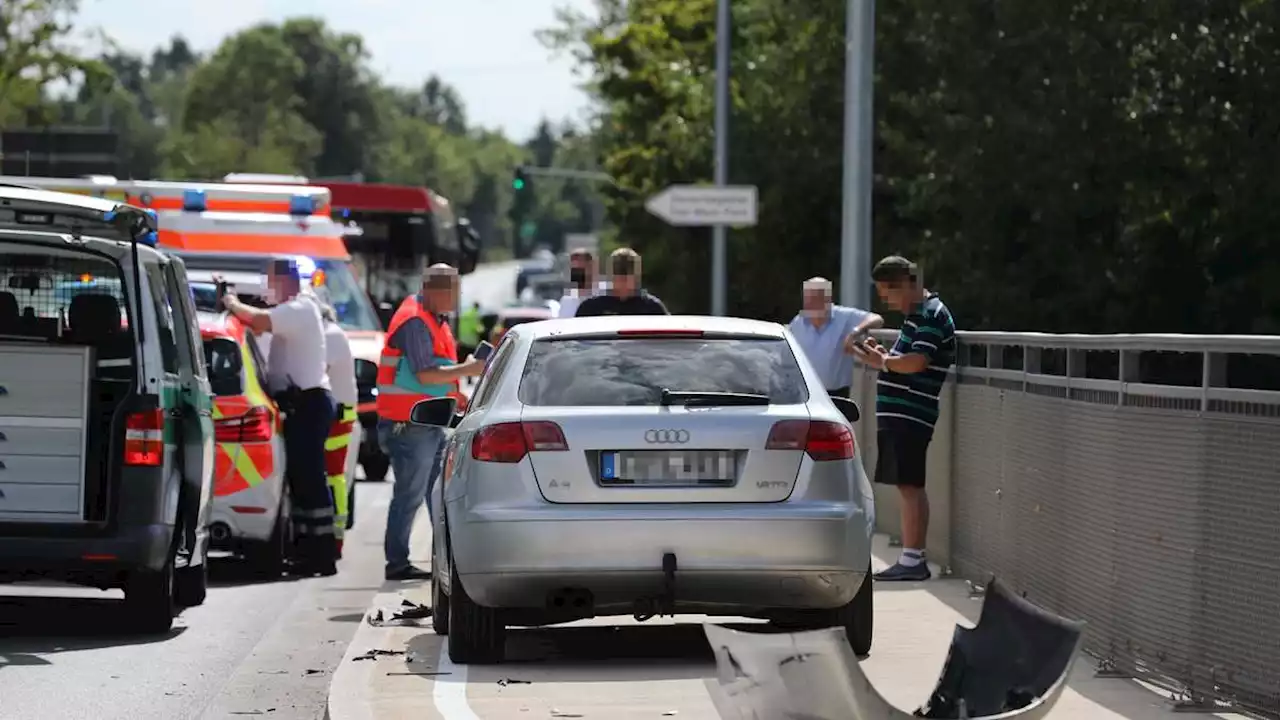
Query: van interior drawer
[[49, 382], [41, 469], [26, 501], [17, 439]]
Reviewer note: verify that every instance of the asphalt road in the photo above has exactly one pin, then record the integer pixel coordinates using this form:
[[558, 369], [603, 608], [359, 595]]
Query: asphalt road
[[253, 648]]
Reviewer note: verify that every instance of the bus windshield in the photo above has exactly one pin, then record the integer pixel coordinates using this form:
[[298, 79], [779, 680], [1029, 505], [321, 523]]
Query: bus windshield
[[354, 310]]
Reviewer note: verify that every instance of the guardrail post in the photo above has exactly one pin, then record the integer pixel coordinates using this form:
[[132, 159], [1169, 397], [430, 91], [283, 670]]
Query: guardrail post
[[1129, 372]]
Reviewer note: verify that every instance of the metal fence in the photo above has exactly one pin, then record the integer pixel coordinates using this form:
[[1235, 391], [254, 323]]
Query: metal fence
[[1132, 481]]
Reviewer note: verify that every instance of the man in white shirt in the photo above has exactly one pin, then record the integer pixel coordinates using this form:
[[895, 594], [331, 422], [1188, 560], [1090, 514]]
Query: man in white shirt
[[298, 379], [344, 434], [582, 278], [828, 334]]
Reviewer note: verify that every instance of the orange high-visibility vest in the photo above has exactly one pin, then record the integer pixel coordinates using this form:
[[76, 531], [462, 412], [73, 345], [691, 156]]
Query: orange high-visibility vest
[[394, 401]]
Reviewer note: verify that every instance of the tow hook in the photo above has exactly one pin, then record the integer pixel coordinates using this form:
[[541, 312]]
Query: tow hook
[[664, 604]]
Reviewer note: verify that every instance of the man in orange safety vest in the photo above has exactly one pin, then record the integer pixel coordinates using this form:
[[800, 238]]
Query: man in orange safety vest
[[418, 361]]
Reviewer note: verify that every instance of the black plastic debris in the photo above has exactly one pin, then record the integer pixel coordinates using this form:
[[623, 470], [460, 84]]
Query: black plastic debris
[[375, 653], [503, 682], [1013, 664], [407, 611]]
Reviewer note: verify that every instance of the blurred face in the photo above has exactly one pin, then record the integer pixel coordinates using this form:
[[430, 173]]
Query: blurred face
[[440, 292], [625, 277], [817, 302], [900, 295], [580, 271], [280, 287]]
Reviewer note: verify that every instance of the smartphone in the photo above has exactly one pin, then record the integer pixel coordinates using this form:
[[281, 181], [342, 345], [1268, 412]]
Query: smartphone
[[483, 351]]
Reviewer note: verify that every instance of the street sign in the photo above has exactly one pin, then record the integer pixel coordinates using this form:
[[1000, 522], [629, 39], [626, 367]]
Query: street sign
[[702, 206]]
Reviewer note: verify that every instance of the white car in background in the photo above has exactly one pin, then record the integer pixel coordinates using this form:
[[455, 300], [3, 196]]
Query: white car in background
[[649, 466]]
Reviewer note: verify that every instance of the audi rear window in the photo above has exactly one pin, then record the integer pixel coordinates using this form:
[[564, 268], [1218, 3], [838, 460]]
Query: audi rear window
[[634, 371]]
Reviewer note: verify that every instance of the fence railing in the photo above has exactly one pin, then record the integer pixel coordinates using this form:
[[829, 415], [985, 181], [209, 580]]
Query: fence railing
[[1132, 481]]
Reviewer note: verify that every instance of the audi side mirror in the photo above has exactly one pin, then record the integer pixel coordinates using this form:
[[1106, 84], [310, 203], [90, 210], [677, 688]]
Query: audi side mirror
[[848, 408], [434, 411], [455, 419]]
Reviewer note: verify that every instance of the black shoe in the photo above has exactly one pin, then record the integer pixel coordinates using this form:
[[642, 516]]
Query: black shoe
[[409, 572], [902, 573]]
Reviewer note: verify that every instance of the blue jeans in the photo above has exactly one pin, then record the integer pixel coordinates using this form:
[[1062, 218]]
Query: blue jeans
[[416, 452]]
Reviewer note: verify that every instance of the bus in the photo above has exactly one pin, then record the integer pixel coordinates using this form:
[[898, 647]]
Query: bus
[[393, 232]]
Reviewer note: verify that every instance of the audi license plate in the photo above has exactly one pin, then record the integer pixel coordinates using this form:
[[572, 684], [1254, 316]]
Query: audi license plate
[[669, 468]]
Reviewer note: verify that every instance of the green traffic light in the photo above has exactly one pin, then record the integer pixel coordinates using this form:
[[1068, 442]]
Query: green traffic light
[[518, 183]]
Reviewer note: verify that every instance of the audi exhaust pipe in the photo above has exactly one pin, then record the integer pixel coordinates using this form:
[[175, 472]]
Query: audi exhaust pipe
[[1013, 664], [219, 534]]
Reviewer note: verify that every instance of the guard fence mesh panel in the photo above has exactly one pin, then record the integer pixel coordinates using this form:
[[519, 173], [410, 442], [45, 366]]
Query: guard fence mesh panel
[[1152, 514]]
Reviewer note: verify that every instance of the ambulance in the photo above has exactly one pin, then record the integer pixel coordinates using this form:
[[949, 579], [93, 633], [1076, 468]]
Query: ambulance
[[236, 230], [250, 514]]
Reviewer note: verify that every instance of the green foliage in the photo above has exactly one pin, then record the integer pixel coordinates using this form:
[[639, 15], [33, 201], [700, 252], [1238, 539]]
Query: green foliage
[[292, 98], [1057, 166]]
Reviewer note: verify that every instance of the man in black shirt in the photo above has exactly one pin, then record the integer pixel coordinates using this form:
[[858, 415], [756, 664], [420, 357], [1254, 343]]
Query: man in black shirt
[[625, 297]]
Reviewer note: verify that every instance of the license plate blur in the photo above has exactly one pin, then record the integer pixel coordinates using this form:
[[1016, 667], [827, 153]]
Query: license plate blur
[[666, 468]]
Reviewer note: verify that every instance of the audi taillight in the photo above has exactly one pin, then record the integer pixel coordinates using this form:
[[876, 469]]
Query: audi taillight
[[144, 438], [822, 440], [510, 442], [253, 426]]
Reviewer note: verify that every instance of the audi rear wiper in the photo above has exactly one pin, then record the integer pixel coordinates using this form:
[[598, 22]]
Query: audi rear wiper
[[706, 399]]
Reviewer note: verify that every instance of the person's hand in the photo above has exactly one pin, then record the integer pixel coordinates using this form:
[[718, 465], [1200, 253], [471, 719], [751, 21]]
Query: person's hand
[[872, 354], [473, 367]]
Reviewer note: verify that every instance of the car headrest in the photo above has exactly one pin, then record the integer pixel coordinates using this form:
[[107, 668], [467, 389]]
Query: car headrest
[[8, 306], [93, 313]]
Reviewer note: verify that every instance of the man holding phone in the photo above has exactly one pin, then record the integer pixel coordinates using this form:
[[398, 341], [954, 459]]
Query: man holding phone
[[418, 361], [830, 334]]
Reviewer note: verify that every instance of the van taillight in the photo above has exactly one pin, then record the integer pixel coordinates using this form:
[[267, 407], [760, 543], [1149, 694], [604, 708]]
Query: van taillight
[[144, 438], [253, 426], [822, 440], [510, 442]]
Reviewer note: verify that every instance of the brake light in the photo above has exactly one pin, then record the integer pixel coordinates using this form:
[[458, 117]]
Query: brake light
[[510, 442], [822, 440], [253, 426], [667, 332], [144, 438]]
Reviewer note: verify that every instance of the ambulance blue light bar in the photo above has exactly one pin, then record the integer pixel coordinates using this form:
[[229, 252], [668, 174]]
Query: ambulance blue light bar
[[302, 205], [194, 201]]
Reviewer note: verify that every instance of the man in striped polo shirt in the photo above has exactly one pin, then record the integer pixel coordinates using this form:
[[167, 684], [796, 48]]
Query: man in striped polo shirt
[[912, 374]]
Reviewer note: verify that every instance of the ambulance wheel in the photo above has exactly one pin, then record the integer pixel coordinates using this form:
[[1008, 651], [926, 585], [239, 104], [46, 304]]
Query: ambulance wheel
[[148, 599], [268, 557], [375, 467]]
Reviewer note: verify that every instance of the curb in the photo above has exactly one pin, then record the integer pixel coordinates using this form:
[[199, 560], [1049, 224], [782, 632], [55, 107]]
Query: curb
[[349, 686]]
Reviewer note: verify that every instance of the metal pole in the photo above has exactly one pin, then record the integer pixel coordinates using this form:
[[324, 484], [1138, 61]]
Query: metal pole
[[855, 236], [719, 263]]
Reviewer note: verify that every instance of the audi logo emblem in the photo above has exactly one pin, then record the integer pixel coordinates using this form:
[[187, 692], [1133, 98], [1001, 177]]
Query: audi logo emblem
[[666, 437]]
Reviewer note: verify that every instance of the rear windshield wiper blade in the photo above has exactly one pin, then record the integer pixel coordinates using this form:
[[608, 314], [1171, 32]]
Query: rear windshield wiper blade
[[691, 398]]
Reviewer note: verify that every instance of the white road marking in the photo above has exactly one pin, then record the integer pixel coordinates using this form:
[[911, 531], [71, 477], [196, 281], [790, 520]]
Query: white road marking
[[450, 689]]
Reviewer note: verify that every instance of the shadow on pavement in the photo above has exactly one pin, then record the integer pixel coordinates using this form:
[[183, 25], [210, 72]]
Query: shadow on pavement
[[32, 625], [234, 572], [602, 653]]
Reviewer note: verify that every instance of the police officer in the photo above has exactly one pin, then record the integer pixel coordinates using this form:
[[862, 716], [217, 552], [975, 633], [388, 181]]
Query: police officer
[[418, 361], [297, 378]]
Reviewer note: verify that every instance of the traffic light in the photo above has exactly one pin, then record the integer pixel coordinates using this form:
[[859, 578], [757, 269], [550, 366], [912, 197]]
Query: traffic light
[[518, 182]]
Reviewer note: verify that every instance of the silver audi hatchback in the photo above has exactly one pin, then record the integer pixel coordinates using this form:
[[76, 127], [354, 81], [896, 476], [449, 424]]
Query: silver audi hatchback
[[650, 466]]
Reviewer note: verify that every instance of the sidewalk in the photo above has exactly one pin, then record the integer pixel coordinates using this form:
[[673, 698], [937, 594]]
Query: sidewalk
[[617, 669]]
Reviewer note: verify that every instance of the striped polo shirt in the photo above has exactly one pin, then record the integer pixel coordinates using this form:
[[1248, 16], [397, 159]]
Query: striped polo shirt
[[911, 400]]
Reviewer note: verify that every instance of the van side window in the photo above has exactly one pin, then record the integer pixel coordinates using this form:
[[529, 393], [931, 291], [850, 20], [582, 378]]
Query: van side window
[[164, 319], [180, 290], [184, 326]]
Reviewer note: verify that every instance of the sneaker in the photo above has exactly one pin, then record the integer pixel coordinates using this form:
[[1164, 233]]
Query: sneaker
[[408, 572], [902, 573]]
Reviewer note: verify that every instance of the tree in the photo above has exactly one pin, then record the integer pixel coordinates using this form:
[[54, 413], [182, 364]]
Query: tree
[[33, 54]]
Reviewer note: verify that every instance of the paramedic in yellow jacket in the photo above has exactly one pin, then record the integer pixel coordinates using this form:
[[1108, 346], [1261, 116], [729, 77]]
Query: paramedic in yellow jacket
[[345, 432]]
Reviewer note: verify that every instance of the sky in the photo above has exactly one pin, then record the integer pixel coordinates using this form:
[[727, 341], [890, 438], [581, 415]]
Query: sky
[[484, 48]]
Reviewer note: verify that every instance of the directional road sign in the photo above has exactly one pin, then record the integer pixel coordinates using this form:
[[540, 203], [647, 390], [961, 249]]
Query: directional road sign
[[702, 206]]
